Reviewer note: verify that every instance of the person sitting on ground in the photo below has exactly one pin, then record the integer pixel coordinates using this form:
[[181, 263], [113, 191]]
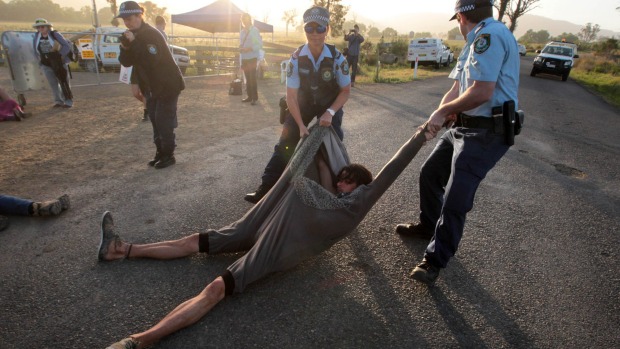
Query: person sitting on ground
[[296, 220], [12, 205], [10, 110]]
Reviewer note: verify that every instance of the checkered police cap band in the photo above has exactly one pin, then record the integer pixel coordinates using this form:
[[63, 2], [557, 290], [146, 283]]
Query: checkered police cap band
[[470, 5], [318, 15], [129, 8]]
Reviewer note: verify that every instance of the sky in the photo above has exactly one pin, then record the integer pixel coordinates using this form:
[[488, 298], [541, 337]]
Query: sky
[[601, 12]]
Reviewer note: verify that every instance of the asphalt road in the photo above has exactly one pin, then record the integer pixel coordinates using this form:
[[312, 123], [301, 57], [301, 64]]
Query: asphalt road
[[538, 266]]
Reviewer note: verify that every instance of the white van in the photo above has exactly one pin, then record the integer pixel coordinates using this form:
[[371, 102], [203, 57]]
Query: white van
[[429, 51], [107, 41]]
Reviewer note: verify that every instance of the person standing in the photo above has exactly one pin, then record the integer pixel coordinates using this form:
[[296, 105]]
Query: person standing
[[486, 76], [317, 85], [250, 45], [158, 76], [52, 50], [160, 24], [355, 39]]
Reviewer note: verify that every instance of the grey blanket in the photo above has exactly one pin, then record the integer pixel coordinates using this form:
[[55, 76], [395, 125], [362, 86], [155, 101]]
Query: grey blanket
[[299, 218]]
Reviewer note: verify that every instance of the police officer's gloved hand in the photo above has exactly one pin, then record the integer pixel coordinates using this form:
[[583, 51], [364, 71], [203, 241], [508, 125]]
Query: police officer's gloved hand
[[124, 41]]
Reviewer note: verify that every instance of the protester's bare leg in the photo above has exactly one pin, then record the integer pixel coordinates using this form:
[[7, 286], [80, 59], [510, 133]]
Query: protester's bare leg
[[325, 174], [160, 250], [187, 313]]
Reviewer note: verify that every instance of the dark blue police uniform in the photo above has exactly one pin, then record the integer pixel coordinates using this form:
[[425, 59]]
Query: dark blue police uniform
[[161, 83], [466, 153]]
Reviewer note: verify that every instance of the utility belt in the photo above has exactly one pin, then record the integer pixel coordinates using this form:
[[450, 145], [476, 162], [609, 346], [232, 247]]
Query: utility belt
[[504, 121]]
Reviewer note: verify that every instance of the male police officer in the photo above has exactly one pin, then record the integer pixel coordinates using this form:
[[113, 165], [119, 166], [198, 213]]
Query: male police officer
[[486, 76], [317, 85], [160, 79]]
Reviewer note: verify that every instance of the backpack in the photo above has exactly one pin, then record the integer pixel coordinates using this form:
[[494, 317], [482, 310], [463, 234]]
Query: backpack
[[74, 52]]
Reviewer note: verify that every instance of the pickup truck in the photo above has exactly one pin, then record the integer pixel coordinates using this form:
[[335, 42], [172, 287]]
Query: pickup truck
[[429, 51], [106, 45], [556, 58]]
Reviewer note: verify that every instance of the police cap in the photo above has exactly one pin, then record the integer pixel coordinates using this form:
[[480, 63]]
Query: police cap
[[470, 5]]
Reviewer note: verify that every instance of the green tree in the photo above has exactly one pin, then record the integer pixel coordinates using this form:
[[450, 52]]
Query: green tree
[[454, 33], [114, 9], [290, 18], [151, 11], [569, 37], [337, 11], [374, 32], [589, 33], [389, 33], [514, 9], [532, 37]]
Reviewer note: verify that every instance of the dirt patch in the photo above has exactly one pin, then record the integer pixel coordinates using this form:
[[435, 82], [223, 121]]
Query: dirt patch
[[103, 135]]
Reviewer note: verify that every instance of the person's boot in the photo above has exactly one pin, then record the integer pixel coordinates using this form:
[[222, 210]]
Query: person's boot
[[46, 208], [165, 160], [425, 272], [258, 194], [155, 159], [65, 203], [416, 230]]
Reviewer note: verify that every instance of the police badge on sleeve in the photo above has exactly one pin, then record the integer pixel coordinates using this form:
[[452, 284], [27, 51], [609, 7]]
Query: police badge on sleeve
[[344, 67], [152, 49], [482, 43]]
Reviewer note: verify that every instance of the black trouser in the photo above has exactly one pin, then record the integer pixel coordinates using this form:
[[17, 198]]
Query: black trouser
[[352, 66], [163, 115], [249, 70]]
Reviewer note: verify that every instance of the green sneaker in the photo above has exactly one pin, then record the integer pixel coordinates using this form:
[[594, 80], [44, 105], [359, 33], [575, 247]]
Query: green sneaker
[[107, 235], [127, 343]]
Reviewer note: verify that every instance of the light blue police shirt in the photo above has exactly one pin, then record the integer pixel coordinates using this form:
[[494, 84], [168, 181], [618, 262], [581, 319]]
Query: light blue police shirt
[[342, 67], [491, 54]]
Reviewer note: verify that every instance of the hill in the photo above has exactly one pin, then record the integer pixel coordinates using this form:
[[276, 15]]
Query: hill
[[437, 23]]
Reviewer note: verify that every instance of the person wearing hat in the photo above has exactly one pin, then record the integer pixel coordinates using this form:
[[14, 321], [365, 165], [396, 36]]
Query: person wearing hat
[[158, 77], [52, 50], [485, 77], [250, 45], [317, 85]]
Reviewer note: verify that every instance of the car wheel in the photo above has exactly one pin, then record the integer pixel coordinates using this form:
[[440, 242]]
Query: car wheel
[[533, 72], [565, 76]]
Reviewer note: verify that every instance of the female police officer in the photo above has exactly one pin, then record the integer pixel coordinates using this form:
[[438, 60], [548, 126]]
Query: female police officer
[[160, 79], [317, 85], [486, 76]]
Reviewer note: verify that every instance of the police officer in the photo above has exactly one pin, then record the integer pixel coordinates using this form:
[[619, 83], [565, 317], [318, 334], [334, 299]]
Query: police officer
[[160, 79], [317, 85], [486, 76]]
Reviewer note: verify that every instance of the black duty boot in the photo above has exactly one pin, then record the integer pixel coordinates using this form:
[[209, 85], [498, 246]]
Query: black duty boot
[[425, 272], [165, 161], [155, 159], [258, 194]]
